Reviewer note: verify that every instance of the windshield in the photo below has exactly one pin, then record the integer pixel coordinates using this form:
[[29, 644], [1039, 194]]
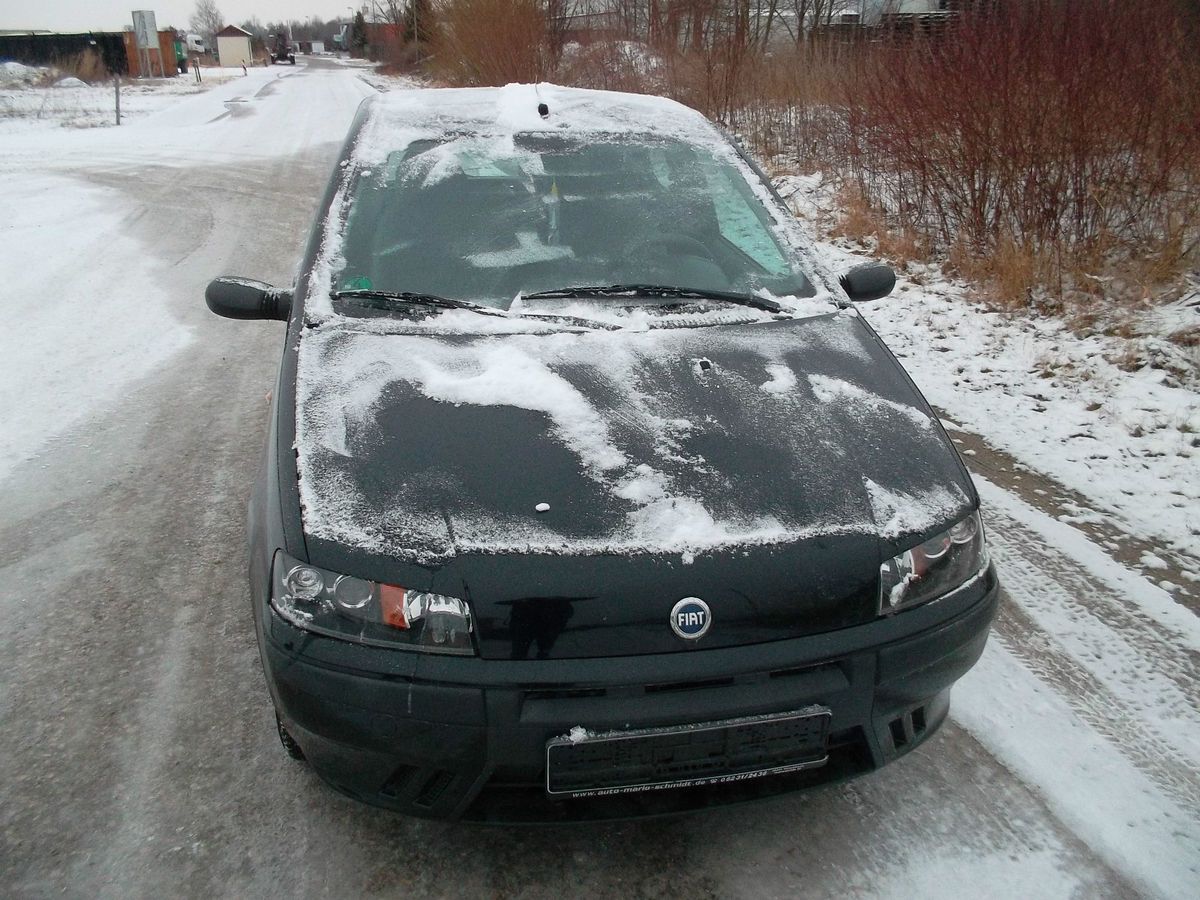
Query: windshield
[[483, 219]]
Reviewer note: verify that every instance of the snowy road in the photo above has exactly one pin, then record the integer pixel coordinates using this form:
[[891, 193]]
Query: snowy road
[[137, 750]]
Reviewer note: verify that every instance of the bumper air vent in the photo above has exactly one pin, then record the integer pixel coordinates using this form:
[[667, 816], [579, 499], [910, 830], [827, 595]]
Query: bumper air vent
[[434, 788], [907, 728]]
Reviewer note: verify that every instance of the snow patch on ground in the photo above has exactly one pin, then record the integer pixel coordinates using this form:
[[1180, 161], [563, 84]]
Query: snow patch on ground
[[1059, 403], [933, 872], [1086, 781], [85, 305], [71, 103], [1138, 592], [76, 336]]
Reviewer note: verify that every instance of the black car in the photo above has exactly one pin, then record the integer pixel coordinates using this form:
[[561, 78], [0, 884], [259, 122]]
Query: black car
[[587, 492]]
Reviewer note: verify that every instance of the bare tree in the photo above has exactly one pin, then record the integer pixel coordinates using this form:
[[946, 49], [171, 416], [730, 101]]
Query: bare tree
[[206, 20], [418, 20], [256, 28]]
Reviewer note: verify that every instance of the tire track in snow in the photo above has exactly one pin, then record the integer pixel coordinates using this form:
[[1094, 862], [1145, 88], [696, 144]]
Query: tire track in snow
[[1088, 698], [1101, 624], [1122, 672]]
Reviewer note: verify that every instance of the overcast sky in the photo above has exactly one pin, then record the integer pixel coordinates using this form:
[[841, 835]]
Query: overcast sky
[[114, 15]]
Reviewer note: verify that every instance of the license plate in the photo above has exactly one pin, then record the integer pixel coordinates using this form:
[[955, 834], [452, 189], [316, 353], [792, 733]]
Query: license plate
[[623, 762]]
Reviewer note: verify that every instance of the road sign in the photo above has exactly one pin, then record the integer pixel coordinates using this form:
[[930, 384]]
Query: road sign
[[146, 29]]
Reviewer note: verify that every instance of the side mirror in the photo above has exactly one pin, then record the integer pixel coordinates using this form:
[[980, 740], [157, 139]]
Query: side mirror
[[870, 281], [242, 298]]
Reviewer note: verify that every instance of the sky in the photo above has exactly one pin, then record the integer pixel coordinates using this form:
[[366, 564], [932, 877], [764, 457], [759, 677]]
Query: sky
[[114, 15]]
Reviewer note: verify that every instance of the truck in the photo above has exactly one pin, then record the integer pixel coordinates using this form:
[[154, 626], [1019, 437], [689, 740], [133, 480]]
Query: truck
[[283, 51]]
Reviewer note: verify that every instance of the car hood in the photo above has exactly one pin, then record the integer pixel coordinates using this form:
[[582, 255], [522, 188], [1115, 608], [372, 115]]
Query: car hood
[[574, 486]]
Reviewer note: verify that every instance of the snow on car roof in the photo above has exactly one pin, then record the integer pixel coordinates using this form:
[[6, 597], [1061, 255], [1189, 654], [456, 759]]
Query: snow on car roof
[[515, 109]]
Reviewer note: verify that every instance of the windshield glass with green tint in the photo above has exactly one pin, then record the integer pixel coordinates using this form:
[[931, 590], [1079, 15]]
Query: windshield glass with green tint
[[482, 219]]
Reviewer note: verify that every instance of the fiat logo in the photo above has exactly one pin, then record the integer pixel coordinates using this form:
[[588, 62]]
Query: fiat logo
[[690, 618]]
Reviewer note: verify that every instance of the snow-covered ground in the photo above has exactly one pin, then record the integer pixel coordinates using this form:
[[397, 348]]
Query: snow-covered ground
[[1072, 767], [1089, 688], [1129, 441], [32, 98], [91, 302]]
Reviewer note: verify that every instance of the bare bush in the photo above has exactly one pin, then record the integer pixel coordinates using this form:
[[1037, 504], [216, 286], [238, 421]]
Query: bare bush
[[1046, 135], [491, 42], [86, 66]]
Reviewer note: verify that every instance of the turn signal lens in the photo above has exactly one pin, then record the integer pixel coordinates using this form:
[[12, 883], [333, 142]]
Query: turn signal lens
[[391, 603]]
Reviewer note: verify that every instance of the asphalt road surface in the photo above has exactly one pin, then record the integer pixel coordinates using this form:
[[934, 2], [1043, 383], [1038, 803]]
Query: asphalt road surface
[[138, 755]]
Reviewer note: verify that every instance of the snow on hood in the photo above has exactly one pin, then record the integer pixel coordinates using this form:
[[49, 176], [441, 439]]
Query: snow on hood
[[599, 397]]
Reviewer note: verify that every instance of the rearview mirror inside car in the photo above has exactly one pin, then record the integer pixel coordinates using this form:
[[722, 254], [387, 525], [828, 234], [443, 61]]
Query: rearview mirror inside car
[[870, 281], [244, 298]]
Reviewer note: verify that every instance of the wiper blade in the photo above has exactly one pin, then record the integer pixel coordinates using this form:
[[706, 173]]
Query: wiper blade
[[388, 299], [657, 290]]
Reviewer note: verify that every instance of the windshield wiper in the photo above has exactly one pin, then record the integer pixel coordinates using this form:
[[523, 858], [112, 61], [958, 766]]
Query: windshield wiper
[[657, 290], [389, 299]]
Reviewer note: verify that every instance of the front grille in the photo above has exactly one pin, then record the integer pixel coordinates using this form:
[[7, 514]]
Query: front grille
[[830, 670], [675, 687], [659, 758]]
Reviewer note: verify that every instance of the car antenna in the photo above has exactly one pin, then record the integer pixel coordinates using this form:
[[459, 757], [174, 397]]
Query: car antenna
[[543, 108]]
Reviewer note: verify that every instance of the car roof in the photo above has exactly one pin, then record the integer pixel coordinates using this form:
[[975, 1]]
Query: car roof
[[397, 118]]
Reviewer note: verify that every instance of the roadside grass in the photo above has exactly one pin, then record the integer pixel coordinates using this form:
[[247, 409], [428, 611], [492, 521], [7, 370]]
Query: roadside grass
[[42, 99]]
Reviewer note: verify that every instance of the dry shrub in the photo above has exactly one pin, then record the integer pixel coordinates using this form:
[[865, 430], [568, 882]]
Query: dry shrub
[[901, 245], [612, 65], [1049, 146], [86, 66], [400, 58], [491, 42], [868, 225], [1009, 271], [1042, 136], [793, 102], [857, 220], [388, 45]]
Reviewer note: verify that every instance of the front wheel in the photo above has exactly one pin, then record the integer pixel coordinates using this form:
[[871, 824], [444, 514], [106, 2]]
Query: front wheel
[[289, 743]]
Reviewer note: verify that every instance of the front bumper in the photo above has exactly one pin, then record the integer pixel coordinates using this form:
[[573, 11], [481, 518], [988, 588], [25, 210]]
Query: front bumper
[[466, 738]]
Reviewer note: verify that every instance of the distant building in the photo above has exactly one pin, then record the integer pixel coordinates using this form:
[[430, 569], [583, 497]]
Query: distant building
[[233, 47]]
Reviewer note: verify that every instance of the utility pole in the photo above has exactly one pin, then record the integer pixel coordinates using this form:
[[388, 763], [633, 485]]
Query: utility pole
[[117, 89]]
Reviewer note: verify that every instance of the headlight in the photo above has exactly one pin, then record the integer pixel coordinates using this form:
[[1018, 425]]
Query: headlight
[[933, 567], [369, 612]]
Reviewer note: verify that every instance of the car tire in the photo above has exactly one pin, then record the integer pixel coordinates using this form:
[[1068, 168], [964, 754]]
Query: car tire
[[289, 743]]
